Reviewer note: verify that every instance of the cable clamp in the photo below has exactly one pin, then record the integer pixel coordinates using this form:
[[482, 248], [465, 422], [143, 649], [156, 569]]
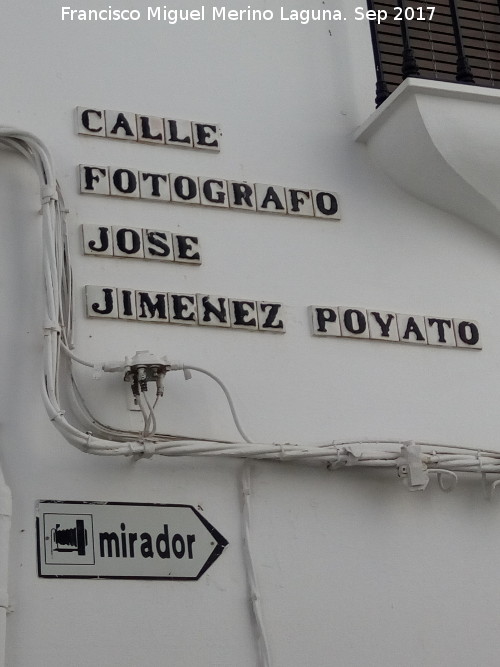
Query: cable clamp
[[352, 455], [58, 415], [282, 454], [87, 444], [341, 459], [411, 468], [346, 457], [48, 195], [142, 450], [136, 449], [50, 325], [245, 480], [149, 449], [486, 490]]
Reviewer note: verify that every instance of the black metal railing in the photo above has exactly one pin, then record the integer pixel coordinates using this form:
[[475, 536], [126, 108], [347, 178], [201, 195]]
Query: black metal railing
[[445, 40]]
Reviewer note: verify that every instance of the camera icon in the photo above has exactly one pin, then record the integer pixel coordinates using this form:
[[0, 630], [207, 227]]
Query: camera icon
[[68, 539]]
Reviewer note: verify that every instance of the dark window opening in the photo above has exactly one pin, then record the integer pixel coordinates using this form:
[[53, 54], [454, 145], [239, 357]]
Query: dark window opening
[[459, 41]]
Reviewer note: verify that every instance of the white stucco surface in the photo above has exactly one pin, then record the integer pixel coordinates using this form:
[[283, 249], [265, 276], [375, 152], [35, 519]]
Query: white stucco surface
[[353, 569]]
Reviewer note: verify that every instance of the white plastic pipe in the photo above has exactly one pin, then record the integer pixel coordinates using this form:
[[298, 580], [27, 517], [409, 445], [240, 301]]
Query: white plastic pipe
[[5, 520]]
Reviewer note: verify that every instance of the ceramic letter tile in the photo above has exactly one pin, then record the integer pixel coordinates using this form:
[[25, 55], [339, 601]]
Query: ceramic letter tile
[[124, 182], [412, 329], [299, 202], [94, 180], [127, 242], [467, 333], [326, 204], [206, 136], [270, 317], [150, 129], [91, 121], [151, 306], [242, 195], [178, 133], [440, 331], [154, 186], [186, 249], [101, 301], [213, 192], [184, 189], [270, 198], [383, 325], [121, 125], [97, 240], [354, 322], [158, 245], [243, 314], [182, 308], [325, 321], [213, 311], [126, 304]]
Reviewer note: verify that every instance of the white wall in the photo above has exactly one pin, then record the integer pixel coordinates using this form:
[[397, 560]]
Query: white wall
[[353, 569]]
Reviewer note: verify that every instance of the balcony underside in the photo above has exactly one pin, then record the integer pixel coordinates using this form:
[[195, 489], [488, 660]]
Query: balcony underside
[[441, 143]]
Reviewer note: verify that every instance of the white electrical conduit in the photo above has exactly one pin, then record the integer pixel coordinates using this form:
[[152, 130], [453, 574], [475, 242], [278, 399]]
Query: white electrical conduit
[[58, 333], [411, 459], [253, 590], [336, 454], [5, 520]]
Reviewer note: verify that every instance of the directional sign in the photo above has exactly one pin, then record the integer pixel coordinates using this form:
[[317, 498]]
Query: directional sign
[[124, 540]]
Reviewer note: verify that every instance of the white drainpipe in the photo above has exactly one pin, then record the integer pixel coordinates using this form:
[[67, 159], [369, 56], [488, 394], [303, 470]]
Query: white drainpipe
[[5, 515]]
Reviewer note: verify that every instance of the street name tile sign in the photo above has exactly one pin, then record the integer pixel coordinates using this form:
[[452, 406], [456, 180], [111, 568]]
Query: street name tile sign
[[124, 540]]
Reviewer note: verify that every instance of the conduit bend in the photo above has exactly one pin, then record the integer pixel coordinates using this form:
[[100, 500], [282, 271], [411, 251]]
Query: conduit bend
[[412, 459]]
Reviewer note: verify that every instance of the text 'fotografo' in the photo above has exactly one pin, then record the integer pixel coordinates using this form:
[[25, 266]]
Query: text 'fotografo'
[[207, 191]]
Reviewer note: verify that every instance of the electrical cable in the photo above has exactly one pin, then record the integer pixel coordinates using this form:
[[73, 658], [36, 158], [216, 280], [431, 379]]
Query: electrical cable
[[151, 417], [58, 336], [183, 367], [145, 416], [227, 395], [412, 460], [253, 590]]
